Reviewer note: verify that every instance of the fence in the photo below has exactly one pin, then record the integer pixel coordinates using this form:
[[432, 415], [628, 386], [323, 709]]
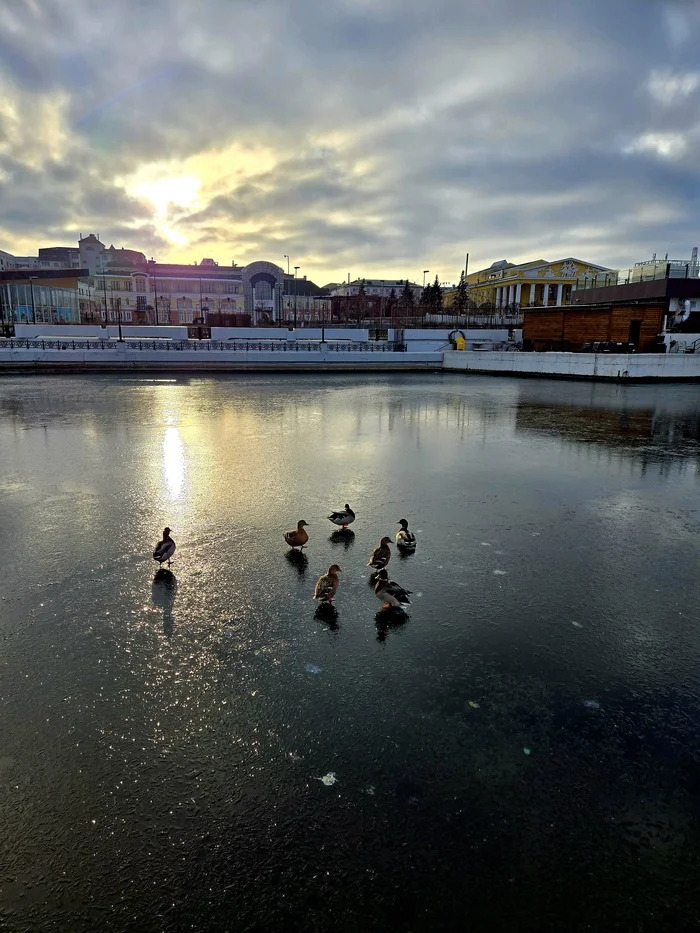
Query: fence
[[203, 346]]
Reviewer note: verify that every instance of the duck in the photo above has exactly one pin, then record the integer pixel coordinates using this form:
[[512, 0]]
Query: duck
[[327, 585], [381, 556], [405, 539], [165, 549], [391, 594], [298, 538], [344, 518]]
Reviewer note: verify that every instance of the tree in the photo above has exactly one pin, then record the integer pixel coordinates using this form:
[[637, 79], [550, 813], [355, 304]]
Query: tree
[[436, 297], [361, 301], [426, 298], [406, 300], [461, 298]]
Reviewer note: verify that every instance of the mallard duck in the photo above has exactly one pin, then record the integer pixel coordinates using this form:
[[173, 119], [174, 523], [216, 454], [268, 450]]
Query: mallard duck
[[405, 539], [344, 518], [165, 549], [298, 538], [327, 585], [381, 555], [391, 594]]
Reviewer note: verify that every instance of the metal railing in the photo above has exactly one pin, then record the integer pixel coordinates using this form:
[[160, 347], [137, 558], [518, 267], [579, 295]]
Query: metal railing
[[202, 346]]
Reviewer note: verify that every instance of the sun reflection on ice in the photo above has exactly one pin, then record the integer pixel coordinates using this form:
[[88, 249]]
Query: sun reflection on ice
[[173, 461]]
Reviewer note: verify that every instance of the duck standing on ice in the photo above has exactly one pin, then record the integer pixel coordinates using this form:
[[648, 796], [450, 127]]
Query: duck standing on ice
[[327, 585], [343, 518], [165, 549], [381, 556], [297, 539], [405, 539], [391, 594]]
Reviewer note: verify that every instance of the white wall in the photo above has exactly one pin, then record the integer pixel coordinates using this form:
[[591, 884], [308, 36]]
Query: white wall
[[94, 330], [623, 366], [119, 357], [284, 333], [429, 340]]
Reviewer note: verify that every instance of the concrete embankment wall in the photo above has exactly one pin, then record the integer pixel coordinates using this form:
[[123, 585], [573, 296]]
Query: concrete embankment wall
[[618, 367], [417, 340], [121, 359]]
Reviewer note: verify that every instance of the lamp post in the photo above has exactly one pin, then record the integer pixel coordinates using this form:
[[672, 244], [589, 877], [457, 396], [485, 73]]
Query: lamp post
[[118, 303], [296, 269], [155, 289], [32, 279], [425, 272], [287, 258], [104, 289]]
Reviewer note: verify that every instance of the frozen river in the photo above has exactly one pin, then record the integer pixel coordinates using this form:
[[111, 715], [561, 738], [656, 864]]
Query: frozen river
[[522, 753]]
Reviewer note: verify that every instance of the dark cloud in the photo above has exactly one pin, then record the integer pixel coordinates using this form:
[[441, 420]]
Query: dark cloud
[[402, 133]]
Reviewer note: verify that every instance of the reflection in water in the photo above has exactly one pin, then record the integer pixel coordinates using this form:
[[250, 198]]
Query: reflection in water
[[328, 614], [346, 537], [163, 593], [298, 560], [388, 619], [655, 427], [173, 461]]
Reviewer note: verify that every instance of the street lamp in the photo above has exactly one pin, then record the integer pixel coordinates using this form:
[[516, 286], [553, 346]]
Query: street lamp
[[155, 288], [296, 269], [32, 279], [425, 272], [287, 258], [118, 303]]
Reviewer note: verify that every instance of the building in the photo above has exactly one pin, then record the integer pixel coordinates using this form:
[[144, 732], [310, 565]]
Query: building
[[117, 284], [633, 327], [44, 296], [304, 301], [538, 283], [381, 288]]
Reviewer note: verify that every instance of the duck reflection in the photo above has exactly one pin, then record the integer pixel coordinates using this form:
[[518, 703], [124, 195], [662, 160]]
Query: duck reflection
[[346, 537], [298, 560], [163, 593], [388, 619], [328, 614]]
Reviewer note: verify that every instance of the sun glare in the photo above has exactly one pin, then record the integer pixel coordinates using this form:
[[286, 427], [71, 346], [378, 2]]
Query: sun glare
[[175, 191]]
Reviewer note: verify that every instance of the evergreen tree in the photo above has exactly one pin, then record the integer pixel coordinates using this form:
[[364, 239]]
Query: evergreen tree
[[461, 299], [392, 295], [436, 297], [361, 301], [406, 296], [426, 298]]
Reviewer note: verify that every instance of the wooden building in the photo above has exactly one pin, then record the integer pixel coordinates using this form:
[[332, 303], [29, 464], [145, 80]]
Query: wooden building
[[630, 327]]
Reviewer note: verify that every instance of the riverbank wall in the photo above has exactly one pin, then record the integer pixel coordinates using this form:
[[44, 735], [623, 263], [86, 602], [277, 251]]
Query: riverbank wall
[[603, 367], [119, 358]]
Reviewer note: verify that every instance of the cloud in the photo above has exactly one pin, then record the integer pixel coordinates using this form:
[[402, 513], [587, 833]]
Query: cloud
[[667, 88], [377, 137]]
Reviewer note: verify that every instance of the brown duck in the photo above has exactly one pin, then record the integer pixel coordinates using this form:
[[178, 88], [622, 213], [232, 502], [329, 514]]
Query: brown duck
[[327, 585], [297, 539]]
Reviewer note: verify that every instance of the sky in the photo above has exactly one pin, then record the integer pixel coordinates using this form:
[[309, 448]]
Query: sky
[[375, 138]]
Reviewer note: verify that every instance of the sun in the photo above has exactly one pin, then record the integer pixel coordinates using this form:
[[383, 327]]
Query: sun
[[169, 191]]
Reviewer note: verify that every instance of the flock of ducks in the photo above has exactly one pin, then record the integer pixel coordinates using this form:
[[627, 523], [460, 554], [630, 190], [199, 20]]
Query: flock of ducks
[[391, 594]]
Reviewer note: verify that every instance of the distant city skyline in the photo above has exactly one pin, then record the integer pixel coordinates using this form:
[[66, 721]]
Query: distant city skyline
[[372, 139]]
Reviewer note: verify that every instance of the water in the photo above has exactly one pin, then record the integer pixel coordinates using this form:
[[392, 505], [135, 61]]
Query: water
[[202, 752]]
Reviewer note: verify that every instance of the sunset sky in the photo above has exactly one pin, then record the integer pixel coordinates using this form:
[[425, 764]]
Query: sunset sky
[[370, 137]]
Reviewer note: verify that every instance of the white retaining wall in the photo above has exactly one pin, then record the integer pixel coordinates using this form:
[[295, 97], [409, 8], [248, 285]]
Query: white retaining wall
[[119, 358], [616, 366]]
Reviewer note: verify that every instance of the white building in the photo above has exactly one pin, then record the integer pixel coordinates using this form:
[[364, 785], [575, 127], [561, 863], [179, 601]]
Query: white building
[[380, 287]]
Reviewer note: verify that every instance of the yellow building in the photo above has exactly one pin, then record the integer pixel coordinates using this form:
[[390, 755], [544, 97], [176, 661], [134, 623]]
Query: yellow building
[[534, 284]]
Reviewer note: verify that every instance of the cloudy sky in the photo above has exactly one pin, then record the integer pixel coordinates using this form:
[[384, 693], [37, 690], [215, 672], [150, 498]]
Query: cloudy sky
[[370, 137]]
